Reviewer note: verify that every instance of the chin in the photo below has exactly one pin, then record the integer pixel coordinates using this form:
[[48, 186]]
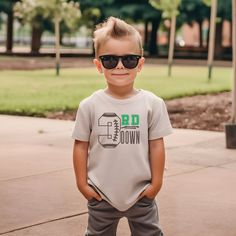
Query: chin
[[120, 82]]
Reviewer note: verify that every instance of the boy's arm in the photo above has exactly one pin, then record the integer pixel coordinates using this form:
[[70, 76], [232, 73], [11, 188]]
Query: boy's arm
[[80, 156], [157, 165]]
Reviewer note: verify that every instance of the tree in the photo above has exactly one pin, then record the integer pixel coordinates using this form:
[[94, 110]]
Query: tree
[[67, 11], [223, 13], [224, 10], [7, 7], [194, 11], [170, 10], [34, 11], [211, 45]]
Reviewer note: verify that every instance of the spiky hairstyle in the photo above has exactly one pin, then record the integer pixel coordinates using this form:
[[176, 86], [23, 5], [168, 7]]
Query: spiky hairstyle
[[114, 28]]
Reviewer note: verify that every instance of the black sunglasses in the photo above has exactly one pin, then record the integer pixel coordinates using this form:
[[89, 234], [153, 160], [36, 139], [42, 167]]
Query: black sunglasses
[[111, 61]]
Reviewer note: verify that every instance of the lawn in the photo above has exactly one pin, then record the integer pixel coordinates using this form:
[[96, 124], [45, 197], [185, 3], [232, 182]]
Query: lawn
[[37, 92]]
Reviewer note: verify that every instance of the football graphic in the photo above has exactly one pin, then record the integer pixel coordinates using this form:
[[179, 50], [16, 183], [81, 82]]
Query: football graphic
[[110, 137]]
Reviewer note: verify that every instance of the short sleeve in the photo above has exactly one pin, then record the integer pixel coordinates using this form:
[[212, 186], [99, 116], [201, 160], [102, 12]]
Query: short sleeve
[[159, 122], [82, 128]]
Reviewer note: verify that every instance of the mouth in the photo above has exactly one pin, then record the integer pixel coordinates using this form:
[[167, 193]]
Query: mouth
[[120, 74]]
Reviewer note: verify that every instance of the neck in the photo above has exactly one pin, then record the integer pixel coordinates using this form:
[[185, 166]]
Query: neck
[[121, 92]]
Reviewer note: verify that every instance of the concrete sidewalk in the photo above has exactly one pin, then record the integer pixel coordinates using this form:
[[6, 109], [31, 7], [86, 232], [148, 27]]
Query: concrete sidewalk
[[38, 194]]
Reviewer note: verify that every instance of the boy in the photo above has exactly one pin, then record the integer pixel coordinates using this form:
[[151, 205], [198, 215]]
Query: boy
[[119, 150]]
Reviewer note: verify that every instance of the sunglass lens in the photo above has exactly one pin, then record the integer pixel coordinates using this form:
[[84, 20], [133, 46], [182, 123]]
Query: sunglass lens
[[130, 61], [110, 62]]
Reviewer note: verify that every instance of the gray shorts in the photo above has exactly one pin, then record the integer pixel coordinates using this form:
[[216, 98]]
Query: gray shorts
[[142, 218]]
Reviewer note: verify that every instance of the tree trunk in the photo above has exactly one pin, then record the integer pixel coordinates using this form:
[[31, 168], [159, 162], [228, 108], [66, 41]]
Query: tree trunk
[[146, 32], [9, 43], [218, 40], [200, 33], [171, 43], [211, 46], [57, 44], [153, 50], [231, 35], [37, 33], [208, 35]]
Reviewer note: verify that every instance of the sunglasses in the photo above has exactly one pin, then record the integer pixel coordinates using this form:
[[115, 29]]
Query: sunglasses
[[111, 61]]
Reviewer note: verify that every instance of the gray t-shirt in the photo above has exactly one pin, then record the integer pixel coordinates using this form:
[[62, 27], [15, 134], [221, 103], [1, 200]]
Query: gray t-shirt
[[118, 131]]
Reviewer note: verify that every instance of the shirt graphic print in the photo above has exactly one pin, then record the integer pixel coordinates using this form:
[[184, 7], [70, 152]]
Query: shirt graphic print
[[117, 130]]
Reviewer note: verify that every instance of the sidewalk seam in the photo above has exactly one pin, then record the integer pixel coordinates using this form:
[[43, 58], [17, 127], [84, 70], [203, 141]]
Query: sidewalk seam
[[221, 166], [28, 176], [187, 172], [45, 222]]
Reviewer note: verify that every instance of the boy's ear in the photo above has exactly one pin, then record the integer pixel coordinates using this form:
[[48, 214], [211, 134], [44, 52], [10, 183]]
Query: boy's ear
[[141, 63], [98, 65]]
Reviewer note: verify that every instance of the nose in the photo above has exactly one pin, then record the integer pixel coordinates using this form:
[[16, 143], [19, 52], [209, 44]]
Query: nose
[[120, 64]]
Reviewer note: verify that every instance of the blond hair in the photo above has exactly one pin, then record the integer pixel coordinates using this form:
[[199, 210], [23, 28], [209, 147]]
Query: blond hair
[[114, 28]]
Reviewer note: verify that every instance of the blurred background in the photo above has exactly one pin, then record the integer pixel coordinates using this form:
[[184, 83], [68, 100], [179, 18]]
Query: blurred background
[[27, 28]]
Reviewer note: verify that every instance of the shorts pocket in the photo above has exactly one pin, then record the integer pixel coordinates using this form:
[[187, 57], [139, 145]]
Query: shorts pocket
[[147, 200], [94, 202]]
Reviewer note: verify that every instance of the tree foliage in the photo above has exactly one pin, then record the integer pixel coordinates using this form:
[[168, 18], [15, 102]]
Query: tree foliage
[[169, 7], [7, 5], [224, 8], [42, 14], [194, 10], [33, 11]]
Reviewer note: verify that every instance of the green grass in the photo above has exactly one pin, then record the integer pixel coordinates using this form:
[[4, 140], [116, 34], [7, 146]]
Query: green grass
[[37, 92]]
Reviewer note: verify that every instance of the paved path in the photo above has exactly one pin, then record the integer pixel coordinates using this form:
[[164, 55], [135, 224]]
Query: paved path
[[38, 196]]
